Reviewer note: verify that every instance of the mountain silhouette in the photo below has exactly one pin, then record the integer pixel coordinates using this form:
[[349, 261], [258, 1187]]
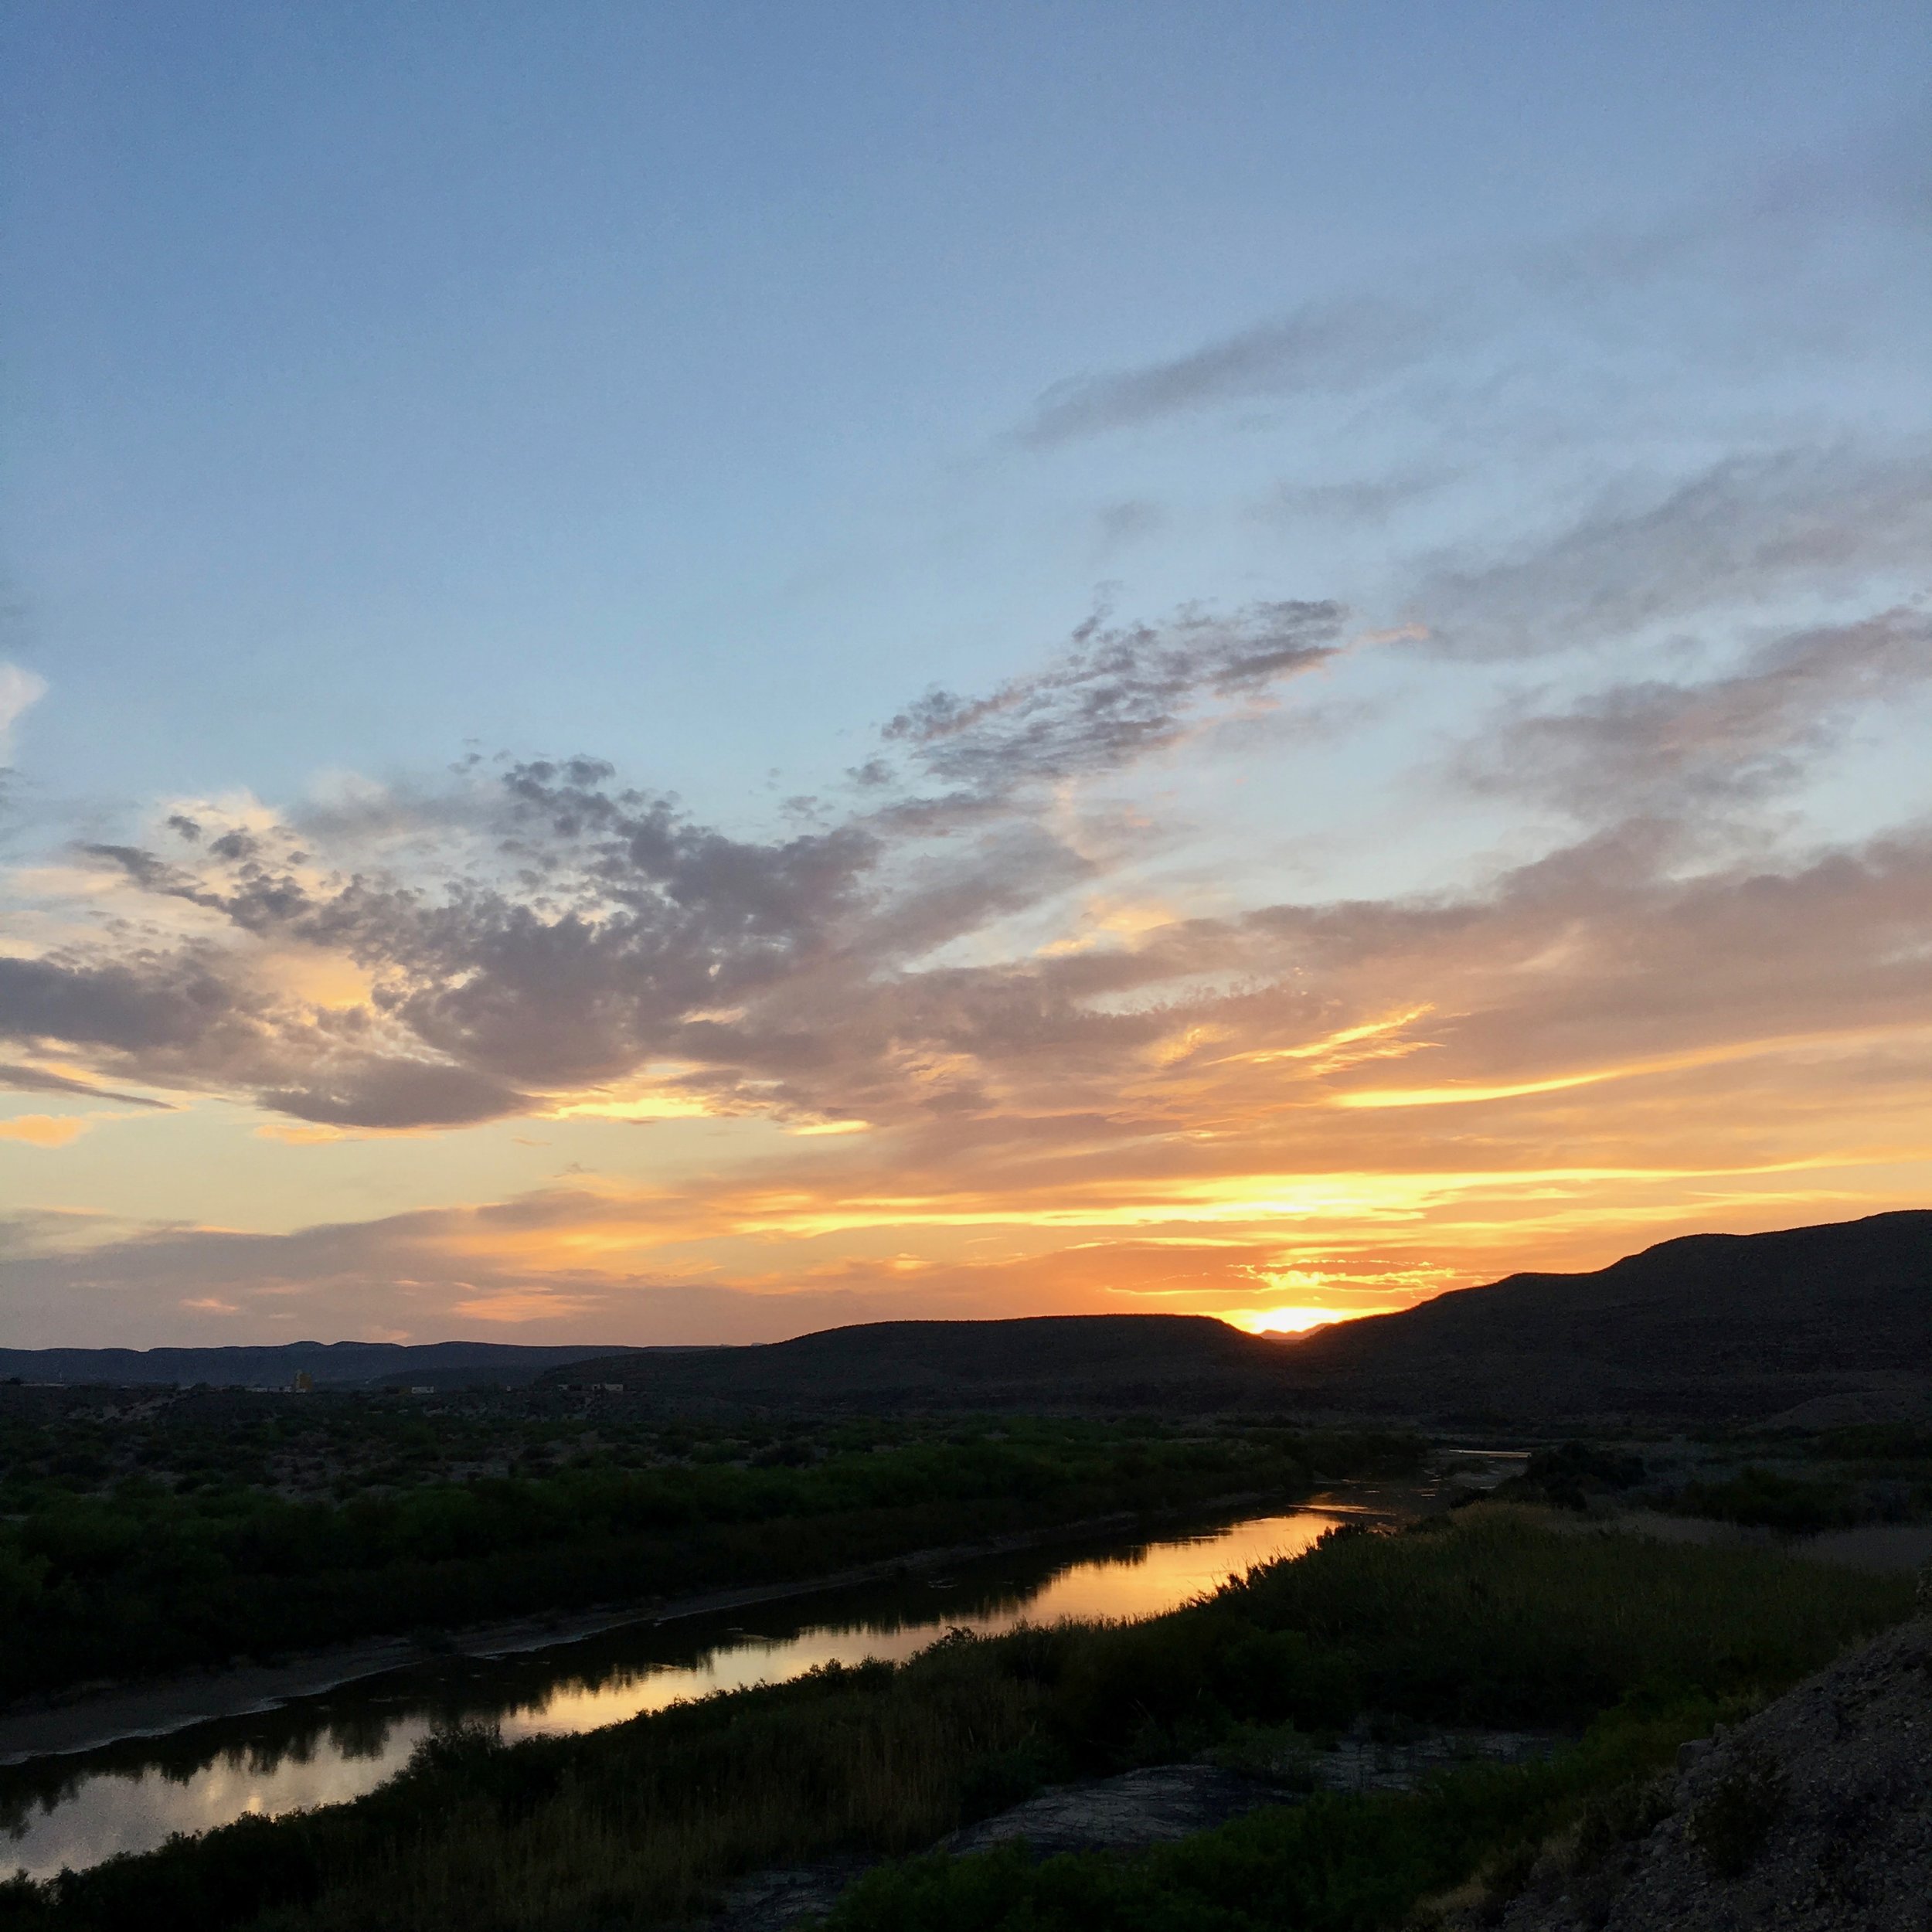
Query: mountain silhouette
[[1812, 1325], [1835, 1322]]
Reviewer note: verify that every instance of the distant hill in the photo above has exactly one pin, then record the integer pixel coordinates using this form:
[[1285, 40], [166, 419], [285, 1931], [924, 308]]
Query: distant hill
[[1833, 1322], [437, 1365], [1054, 1362]]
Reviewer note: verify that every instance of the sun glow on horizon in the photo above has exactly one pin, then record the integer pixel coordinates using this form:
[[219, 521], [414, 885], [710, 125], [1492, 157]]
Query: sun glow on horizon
[[1292, 1321]]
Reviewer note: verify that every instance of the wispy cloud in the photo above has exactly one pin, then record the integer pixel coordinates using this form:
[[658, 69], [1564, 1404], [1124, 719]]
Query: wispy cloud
[[20, 690], [1741, 533], [1119, 694], [1767, 248], [1659, 748], [1335, 346]]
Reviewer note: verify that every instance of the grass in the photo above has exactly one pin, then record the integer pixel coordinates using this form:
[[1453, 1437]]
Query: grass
[[1493, 1617]]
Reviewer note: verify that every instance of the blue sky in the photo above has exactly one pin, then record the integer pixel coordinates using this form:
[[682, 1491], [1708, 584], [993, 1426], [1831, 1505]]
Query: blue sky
[[582, 362], [693, 388]]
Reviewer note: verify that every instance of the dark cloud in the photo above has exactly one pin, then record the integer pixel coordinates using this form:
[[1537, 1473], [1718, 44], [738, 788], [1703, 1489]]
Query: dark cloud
[[37, 1079], [399, 1093], [574, 927], [152, 1002], [188, 1019], [1341, 345]]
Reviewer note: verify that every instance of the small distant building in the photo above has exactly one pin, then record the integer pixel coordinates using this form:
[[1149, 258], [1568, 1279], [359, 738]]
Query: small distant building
[[421, 1389], [304, 1383]]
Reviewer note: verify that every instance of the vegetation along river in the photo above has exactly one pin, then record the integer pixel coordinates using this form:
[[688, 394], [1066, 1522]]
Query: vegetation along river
[[74, 1810]]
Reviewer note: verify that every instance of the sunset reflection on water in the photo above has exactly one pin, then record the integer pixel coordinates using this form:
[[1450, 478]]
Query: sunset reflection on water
[[133, 1798]]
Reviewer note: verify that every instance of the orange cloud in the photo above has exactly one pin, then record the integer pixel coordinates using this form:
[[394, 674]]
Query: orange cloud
[[44, 1130], [520, 1305]]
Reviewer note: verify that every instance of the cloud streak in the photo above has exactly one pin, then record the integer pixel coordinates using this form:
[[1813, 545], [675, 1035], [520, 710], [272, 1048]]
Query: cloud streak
[[1742, 533], [37, 1079], [1463, 325], [1659, 749], [1335, 346]]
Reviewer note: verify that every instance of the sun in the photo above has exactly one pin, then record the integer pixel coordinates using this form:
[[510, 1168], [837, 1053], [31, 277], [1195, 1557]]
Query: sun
[[1290, 1321]]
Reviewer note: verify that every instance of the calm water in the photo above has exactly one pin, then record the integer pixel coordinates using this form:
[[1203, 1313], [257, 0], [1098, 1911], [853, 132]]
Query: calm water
[[77, 1810]]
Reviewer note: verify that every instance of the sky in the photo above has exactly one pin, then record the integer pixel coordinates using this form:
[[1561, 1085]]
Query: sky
[[682, 673]]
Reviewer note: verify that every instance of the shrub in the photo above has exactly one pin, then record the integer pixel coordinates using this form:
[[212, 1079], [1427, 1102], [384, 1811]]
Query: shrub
[[1730, 1821]]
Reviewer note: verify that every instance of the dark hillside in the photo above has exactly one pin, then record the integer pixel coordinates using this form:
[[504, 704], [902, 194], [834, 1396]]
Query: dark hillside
[[1042, 1363], [1707, 1327], [1833, 1321]]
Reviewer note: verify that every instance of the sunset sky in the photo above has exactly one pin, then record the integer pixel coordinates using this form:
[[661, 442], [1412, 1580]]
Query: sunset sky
[[683, 672]]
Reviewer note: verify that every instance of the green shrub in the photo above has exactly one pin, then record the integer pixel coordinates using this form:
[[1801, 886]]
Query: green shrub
[[1730, 1821]]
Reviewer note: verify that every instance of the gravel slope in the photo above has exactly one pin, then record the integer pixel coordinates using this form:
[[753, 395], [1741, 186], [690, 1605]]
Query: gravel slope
[[1813, 1816]]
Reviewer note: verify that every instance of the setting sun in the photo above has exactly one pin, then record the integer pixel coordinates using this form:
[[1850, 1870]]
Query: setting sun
[[1290, 1321]]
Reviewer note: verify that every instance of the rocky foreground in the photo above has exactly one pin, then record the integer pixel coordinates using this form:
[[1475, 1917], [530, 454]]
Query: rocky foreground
[[1815, 1816]]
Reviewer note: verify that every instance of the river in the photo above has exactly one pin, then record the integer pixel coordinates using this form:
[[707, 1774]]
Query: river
[[75, 1811]]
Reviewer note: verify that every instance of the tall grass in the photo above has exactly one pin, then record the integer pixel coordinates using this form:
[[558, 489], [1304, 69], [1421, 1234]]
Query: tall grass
[[866, 1758], [1493, 1617]]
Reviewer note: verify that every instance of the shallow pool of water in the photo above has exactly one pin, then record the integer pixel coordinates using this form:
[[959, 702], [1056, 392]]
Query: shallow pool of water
[[75, 1812]]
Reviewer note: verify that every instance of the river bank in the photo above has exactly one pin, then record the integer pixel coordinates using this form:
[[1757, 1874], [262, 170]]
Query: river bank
[[93, 1719], [74, 1810], [97, 1717]]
